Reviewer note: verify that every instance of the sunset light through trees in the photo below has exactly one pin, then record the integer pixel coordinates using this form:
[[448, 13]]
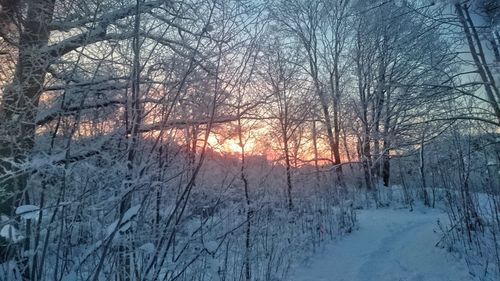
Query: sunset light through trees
[[249, 140]]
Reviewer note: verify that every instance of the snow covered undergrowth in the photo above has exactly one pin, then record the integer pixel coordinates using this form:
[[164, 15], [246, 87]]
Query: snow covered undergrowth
[[209, 241], [390, 245], [473, 231]]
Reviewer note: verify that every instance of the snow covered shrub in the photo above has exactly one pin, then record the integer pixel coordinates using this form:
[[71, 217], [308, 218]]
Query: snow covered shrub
[[470, 189]]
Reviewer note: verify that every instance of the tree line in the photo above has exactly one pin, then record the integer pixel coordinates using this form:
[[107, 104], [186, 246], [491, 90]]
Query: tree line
[[111, 104]]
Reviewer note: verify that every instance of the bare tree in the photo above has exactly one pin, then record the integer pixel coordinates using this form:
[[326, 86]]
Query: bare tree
[[303, 20]]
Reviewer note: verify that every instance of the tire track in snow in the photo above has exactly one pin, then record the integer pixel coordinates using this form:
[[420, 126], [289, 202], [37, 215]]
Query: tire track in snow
[[373, 268], [391, 245]]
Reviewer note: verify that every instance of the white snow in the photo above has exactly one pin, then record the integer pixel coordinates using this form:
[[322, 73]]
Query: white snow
[[70, 277], [111, 227], [211, 246], [28, 211], [390, 245], [148, 248], [10, 232], [125, 222], [131, 213]]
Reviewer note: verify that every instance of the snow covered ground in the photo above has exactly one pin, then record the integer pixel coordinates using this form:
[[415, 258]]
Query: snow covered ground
[[390, 245]]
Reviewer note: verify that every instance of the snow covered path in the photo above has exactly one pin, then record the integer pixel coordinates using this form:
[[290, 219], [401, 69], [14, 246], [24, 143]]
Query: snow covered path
[[390, 245]]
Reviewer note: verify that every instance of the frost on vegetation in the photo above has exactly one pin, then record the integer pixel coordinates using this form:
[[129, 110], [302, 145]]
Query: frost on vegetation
[[211, 246], [491, 163], [125, 221], [28, 211], [42, 160], [147, 248], [111, 228], [70, 277], [130, 213], [9, 271], [10, 233], [28, 253], [214, 268]]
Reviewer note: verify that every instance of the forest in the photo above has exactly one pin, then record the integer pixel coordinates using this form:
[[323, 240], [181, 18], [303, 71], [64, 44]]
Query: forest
[[198, 140]]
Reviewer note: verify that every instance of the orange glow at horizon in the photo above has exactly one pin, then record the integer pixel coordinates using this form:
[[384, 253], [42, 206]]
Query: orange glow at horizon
[[229, 145], [265, 147]]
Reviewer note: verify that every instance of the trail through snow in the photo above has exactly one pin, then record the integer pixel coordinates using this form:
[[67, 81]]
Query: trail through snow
[[390, 245]]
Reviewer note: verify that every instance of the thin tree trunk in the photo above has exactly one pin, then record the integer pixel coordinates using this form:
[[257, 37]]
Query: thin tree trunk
[[478, 57], [378, 105], [366, 152], [315, 145], [422, 172], [336, 117], [248, 245], [482, 56], [19, 106], [20, 99], [288, 173], [324, 104], [386, 164], [335, 87], [387, 134], [367, 164], [125, 260]]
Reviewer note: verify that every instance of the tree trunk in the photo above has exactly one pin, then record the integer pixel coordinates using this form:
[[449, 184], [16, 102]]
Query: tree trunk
[[378, 105], [315, 145], [387, 135], [335, 85], [19, 107], [248, 245], [313, 67], [125, 260], [20, 99], [367, 163], [472, 37], [422, 173], [288, 173], [386, 168], [336, 117]]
